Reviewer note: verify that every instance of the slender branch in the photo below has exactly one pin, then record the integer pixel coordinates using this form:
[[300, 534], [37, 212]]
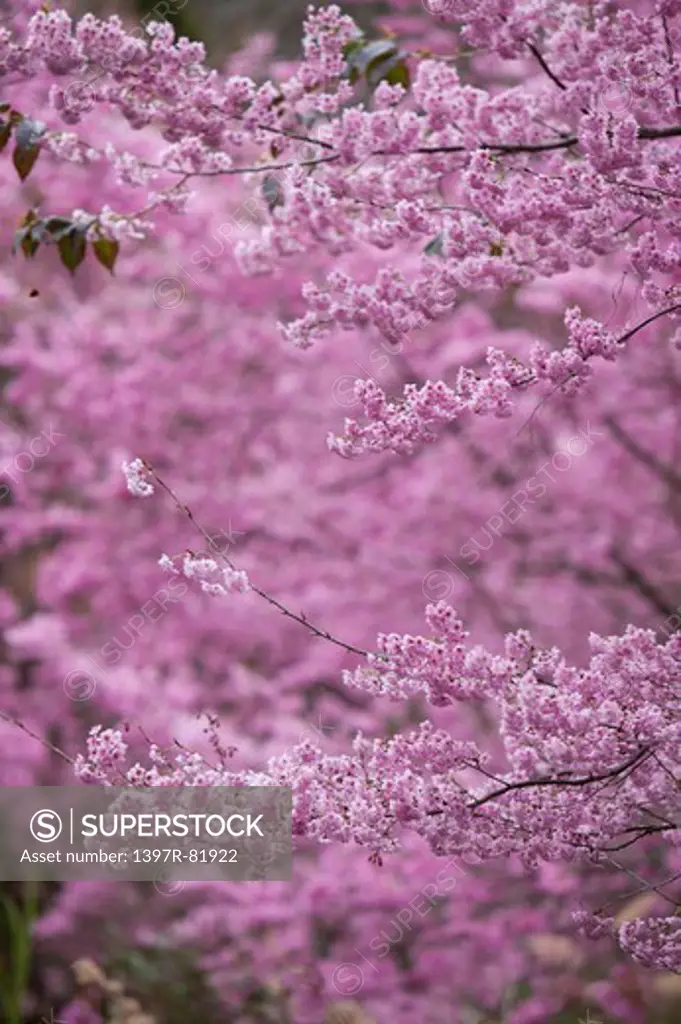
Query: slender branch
[[642, 584], [497, 147], [35, 736], [670, 58], [545, 68], [667, 771], [538, 147], [258, 169], [283, 132], [659, 133], [637, 188], [649, 320], [585, 781], [641, 834], [619, 341], [646, 887], [302, 619], [642, 454]]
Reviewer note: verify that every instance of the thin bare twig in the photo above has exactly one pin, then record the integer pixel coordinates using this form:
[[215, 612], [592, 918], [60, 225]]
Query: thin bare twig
[[35, 736], [301, 618]]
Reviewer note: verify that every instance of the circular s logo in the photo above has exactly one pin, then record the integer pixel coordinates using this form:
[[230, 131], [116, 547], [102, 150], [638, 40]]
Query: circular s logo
[[45, 826], [347, 979]]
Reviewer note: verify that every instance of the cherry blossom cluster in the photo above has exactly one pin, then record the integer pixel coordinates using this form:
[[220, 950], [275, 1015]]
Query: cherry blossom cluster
[[213, 578], [492, 229], [137, 478], [492, 188], [591, 753], [591, 758]]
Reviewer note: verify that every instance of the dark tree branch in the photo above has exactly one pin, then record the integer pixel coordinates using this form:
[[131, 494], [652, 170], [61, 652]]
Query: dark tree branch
[[545, 68], [585, 781], [642, 584], [539, 147], [642, 454]]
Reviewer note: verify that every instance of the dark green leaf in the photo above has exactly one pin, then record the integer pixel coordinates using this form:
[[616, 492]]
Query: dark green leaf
[[434, 247], [72, 249], [57, 227], [27, 134], [29, 244], [29, 235], [31, 217], [24, 158], [19, 239], [106, 251], [5, 132]]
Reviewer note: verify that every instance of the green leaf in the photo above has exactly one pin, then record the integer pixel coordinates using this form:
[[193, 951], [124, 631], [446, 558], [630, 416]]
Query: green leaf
[[29, 244], [6, 126], [24, 158], [14, 918], [14, 982], [434, 247], [72, 248], [106, 251], [5, 133], [29, 235], [57, 227], [30, 217], [27, 135]]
